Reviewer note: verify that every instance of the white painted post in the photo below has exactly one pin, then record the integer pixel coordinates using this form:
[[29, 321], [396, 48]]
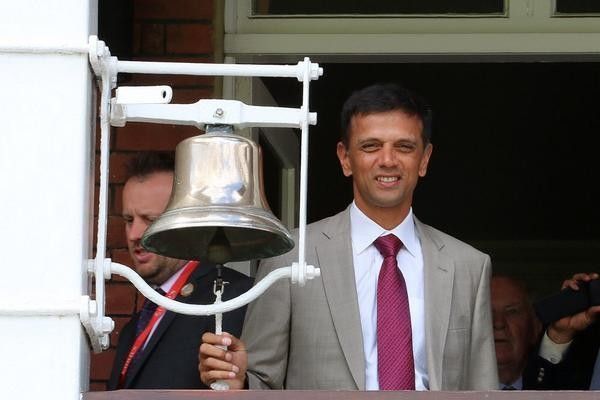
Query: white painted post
[[46, 196]]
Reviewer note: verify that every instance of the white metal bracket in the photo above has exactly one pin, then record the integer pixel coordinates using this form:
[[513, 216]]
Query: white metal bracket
[[203, 112], [150, 104]]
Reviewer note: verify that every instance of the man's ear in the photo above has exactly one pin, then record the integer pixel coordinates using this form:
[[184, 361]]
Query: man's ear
[[425, 160], [342, 153]]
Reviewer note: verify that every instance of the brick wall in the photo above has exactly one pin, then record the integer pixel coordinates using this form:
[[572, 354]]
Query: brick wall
[[163, 30]]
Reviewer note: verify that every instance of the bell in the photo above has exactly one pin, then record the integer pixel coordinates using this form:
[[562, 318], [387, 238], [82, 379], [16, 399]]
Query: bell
[[217, 211]]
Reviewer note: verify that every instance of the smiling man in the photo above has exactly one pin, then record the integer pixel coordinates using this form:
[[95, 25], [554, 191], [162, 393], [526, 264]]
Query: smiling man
[[399, 305]]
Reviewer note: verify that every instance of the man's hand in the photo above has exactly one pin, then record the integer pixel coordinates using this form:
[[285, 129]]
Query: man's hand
[[563, 330], [217, 364]]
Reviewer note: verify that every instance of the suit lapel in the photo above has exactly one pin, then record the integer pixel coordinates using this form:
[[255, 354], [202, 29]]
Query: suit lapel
[[334, 254], [439, 280], [166, 322]]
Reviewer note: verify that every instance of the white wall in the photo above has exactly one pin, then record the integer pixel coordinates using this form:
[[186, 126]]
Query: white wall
[[46, 178]]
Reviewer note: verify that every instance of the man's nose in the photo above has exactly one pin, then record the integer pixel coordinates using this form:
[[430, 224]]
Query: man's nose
[[387, 156], [136, 230], [498, 320]]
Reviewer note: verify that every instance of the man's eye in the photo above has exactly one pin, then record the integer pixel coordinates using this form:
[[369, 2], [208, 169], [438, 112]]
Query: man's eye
[[512, 310], [406, 147], [368, 147]]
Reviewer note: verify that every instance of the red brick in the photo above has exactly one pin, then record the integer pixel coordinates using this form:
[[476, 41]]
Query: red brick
[[116, 200], [189, 39], [189, 96], [137, 39], [120, 298], [121, 256], [118, 166], [152, 39], [97, 167], [97, 134], [140, 302], [97, 386], [115, 236], [173, 9], [92, 238], [143, 137], [101, 365], [174, 81], [175, 58], [96, 200]]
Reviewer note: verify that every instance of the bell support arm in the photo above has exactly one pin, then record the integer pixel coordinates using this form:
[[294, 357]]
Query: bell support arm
[[208, 111]]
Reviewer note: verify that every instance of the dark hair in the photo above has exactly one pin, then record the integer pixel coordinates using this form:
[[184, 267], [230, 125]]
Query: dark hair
[[381, 98], [146, 163]]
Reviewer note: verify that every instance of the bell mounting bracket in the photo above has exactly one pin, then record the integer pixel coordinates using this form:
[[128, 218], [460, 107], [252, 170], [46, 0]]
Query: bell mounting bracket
[[151, 104]]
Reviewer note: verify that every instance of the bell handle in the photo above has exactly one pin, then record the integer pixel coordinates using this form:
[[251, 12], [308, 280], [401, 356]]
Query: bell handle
[[220, 384]]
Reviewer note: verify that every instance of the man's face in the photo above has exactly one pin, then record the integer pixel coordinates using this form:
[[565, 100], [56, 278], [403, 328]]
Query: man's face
[[144, 199], [385, 157], [514, 324]]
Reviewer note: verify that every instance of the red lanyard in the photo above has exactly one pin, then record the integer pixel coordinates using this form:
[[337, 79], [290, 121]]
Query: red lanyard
[[160, 311]]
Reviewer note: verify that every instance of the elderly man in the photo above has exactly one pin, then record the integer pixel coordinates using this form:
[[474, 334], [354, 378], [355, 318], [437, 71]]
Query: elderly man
[[516, 331]]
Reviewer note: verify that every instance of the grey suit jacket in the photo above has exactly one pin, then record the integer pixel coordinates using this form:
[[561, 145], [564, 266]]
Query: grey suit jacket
[[310, 337]]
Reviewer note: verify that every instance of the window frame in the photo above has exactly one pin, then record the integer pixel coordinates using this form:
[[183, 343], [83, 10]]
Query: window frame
[[530, 30]]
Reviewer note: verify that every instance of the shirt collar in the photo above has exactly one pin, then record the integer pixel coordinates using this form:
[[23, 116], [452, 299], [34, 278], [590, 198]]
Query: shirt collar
[[365, 231], [166, 286]]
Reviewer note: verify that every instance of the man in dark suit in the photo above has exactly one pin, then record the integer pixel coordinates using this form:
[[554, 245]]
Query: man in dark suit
[[569, 349], [158, 349], [516, 332]]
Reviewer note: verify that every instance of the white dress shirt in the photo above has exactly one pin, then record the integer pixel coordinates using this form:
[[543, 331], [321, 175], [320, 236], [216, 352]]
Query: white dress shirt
[[367, 263], [553, 352]]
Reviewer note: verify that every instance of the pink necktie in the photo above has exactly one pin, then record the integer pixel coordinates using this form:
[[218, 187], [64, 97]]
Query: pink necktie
[[395, 363]]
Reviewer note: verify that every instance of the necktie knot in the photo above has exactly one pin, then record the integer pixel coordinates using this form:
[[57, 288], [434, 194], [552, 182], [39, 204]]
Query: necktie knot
[[388, 245]]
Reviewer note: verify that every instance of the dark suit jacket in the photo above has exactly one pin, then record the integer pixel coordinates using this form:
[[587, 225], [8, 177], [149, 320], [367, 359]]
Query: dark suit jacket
[[574, 372], [539, 374], [170, 359]]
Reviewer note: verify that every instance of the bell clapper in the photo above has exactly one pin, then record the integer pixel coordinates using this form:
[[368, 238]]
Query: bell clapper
[[218, 289], [219, 248]]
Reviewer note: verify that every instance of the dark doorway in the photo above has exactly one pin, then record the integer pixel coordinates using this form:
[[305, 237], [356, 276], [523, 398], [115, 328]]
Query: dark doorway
[[514, 168]]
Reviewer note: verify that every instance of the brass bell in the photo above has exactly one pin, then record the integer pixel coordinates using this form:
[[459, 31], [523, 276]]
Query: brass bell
[[218, 211]]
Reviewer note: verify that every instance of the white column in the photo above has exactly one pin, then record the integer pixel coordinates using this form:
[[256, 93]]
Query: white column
[[46, 196]]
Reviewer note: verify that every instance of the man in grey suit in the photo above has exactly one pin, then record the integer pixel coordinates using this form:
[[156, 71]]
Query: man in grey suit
[[335, 332]]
